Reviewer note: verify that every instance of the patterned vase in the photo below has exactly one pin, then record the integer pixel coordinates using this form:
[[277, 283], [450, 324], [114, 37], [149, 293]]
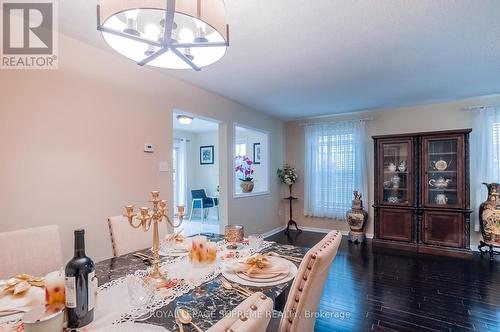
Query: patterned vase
[[246, 186], [489, 215], [356, 217]]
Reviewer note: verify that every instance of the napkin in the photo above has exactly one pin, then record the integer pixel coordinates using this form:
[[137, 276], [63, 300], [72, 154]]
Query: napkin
[[259, 265], [33, 297], [177, 236], [181, 244]]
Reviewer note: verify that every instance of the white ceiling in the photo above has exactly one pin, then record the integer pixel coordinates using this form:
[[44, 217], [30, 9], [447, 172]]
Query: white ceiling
[[300, 58]]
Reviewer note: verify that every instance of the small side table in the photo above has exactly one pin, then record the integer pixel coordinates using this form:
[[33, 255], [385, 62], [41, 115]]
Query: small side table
[[291, 222]]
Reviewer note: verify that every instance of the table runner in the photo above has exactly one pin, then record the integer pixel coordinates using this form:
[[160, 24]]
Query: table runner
[[209, 302], [113, 306]]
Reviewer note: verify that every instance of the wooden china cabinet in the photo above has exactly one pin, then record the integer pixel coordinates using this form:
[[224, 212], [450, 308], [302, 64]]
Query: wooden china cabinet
[[422, 192]]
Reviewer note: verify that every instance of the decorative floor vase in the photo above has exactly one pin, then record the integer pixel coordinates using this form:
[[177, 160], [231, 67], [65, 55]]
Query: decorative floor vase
[[246, 186], [356, 217], [489, 215]]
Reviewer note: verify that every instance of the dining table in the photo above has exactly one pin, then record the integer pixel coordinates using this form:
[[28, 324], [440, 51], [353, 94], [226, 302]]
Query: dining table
[[208, 302]]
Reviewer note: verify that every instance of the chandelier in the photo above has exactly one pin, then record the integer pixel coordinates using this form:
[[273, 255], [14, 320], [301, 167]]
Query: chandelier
[[176, 34]]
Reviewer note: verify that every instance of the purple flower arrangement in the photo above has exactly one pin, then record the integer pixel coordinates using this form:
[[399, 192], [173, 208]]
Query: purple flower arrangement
[[244, 166]]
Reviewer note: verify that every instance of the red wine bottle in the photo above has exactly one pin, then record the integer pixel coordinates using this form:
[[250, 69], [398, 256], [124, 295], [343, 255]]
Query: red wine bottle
[[80, 285]]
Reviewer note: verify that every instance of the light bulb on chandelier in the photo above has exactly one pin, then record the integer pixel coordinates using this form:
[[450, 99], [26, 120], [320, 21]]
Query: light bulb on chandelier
[[131, 20]]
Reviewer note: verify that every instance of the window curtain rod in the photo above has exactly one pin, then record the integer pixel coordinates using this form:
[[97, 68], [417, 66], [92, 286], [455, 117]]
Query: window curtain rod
[[304, 124], [482, 107]]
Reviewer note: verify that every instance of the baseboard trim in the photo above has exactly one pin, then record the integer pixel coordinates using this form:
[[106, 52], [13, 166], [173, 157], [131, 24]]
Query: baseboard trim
[[326, 230], [310, 229], [274, 231]]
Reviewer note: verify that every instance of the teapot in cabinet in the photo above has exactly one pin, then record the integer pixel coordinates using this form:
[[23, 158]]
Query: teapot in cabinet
[[440, 183], [441, 199]]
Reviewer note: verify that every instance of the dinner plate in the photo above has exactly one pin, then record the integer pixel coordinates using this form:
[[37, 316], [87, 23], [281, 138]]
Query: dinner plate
[[278, 277], [172, 253], [180, 249], [233, 277]]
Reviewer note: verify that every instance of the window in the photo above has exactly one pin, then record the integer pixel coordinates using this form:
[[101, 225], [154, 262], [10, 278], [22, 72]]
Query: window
[[240, 149], [495, 156], [335, 167], [485, 154]]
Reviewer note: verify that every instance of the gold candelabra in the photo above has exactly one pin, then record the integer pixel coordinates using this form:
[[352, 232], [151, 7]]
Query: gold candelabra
[[145, 219]]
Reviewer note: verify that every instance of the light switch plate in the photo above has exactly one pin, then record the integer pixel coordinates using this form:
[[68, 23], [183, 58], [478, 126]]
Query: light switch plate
[[163, 166]]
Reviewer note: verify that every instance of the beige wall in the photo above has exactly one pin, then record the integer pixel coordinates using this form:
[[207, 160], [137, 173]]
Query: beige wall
[[71, 144], [395, 121]]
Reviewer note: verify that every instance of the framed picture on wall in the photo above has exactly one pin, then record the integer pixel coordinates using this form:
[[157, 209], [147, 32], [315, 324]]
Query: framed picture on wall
[[206, 155], [256, 153]]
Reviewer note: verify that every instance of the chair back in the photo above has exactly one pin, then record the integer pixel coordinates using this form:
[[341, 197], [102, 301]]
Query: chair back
[[308, 285], [251, 315], [125, 239], [35, 251], [199, 193]]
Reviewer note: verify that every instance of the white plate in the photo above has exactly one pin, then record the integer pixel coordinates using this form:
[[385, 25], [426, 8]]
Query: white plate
[[172, 253], [278, 277], [187, 243], [237, 279]]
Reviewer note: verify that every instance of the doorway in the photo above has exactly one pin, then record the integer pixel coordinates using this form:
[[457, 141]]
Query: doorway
[[195, 172]]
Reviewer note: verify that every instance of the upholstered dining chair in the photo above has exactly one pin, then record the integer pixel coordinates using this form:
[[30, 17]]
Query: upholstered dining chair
[[308, 285], [251, 315], [200, 200], [35, 251], [125, 239]]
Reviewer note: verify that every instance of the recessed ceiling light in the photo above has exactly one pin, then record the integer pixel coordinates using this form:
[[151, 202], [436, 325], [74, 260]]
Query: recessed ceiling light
[[184, 119]]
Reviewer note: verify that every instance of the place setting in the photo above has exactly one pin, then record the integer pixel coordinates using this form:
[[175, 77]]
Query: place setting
[[174, 245], [260, 271]]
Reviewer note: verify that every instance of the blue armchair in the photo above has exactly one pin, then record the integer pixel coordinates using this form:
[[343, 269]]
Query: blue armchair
[[203, 202]]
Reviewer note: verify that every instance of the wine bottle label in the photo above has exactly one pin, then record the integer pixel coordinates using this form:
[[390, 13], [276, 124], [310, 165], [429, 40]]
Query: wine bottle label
[[70, 292], [92, 283]]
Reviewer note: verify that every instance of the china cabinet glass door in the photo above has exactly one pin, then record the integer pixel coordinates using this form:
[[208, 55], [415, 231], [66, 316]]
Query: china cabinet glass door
[[442, 172], [395, 172]]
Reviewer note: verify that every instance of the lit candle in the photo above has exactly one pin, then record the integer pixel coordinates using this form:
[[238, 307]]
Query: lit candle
[[198, 251]]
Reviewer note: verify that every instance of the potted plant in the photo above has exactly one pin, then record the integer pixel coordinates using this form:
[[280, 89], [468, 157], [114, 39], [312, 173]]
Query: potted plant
[[288, 175], [244, 166]]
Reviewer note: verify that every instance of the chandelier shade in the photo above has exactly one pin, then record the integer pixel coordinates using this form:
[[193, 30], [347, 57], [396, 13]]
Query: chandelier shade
[[176, 34]]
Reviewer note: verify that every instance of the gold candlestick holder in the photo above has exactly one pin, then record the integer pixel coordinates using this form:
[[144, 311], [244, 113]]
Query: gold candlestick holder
[[146, 218]]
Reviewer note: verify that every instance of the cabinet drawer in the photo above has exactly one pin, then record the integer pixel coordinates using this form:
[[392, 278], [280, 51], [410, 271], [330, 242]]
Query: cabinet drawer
[[395, 224], [443, 228]]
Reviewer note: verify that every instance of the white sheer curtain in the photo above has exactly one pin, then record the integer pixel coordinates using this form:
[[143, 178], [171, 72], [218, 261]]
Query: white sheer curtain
[[181, 169], [485, 155], [335, 165]]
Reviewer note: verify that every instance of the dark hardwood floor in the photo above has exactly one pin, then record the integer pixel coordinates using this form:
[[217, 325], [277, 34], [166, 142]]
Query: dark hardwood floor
[[376, 289]]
